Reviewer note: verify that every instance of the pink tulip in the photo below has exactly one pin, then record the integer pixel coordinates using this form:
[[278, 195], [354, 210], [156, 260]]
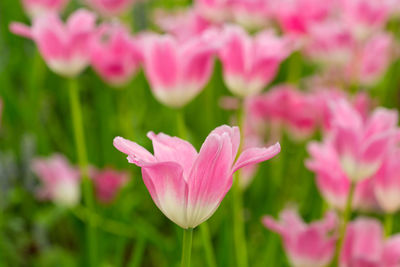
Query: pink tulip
[[252, 14], [372, 61], [65, 48], [364, 16], [60, 181], [178, 71], [334, 184], [296, 16], [306, 245], [364, 245], [184, 25], [286, 106], [36, 8], [251, 63], [115, 55], [188, 186], [110, 7], [387, 183], [214, 10], [108, 183], [330, 43]]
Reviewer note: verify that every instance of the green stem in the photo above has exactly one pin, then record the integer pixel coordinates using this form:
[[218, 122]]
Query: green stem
[[388, 224], [187, 247], [180, 124], [237, 201], [345, 220], [139, 251], [208, 248], [83, 166]]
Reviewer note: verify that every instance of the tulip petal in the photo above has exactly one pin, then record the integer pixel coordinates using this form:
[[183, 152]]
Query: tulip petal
[[256, 155], [234, 134], [210, 178], [167, 148], [136, 153]]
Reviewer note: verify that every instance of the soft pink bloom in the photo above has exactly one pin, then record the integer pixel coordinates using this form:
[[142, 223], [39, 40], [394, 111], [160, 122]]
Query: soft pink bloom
[[334, 184], [214, 10], [188, 186], [286, 106], [362, 144], [296, 16], [251, 63], [184, 25], [330, 42], [387, 182], [108, 183], [364, 245], [372, 60], [110, 7], [36, 8], [364, 17], [60, 181], [178, 71], [252, 14], [115, 55], [310, 245], [65, 47]]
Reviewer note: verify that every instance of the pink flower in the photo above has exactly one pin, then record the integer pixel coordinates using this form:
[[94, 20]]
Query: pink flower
[[36, 8], [65, 48], [108, 183], [372, 60], [330, 43], [387, 182], [364, 16], [252, 14], [286, 106], [306, 245], [296, 16], [184, 25], [60, 181], [115, 55], [362, 144], [110, 7], [364, 245], [334, 184], [214, 10], [188, 186], [178, 71], [250, 63]]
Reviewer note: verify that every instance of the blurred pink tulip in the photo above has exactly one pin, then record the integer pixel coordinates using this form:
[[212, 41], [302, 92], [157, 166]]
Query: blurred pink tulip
[[178, 71], [60, 181], [251, 63], [333, 183], [115, 55], [65, 48], [364, 245], [214, 10], [108, 183], [372, 61], [362, 144], [188, 186], [330, 43], [310, 245], [36, 8], [288, 107], [387, 182], [296, 16], [364, 17], [252, 14], [184, 25], [110, 7]]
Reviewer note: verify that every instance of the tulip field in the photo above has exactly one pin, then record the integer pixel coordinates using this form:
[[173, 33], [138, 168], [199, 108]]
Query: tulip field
[[238, 133]]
